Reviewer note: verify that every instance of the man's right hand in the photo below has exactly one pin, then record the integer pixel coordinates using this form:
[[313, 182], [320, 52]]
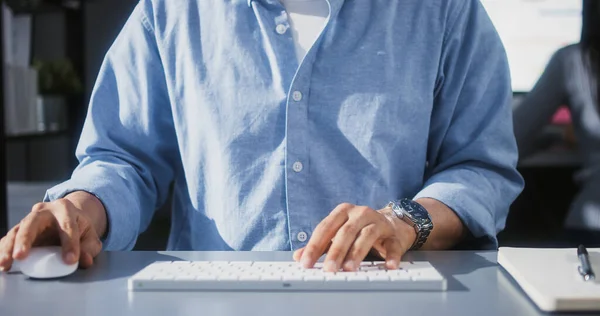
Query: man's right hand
[[62, 222]]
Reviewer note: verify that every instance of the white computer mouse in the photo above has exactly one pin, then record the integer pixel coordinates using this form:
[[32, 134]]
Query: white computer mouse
[[46, 263]]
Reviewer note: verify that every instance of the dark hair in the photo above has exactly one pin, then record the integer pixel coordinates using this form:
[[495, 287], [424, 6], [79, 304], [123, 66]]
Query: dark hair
[[590, 40]]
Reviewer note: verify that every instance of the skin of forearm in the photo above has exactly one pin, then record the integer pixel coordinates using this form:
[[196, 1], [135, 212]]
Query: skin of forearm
[[448, 229]]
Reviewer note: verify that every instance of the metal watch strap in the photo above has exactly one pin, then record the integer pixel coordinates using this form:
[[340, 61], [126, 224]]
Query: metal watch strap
[[422, 227], [422, 235]]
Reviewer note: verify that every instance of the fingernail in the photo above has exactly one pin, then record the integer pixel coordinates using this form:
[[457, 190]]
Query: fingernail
[[18, 250], [70, 257], [330, 266], [2, 269], [392, 264], [349, 265]]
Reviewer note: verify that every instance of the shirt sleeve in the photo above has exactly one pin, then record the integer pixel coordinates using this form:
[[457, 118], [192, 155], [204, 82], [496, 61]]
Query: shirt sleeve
[[472, 151], [127, 148]]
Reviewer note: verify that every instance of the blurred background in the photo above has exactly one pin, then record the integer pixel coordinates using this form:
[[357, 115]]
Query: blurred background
[[52, 50]]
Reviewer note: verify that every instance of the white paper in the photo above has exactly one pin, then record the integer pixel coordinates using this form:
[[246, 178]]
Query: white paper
[[21, 103], [22, 40], [551, 279], [9, 100], [7, 36]]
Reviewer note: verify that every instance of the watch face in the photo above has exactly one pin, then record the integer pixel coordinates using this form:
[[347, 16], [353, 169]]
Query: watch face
[[415, 210]]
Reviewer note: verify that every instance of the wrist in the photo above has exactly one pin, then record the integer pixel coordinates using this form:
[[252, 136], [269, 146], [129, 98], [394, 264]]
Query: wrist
[[92, 208], [404, 231], [416, 216]]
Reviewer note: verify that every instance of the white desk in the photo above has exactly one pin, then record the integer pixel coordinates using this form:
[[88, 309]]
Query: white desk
[[477, 286]]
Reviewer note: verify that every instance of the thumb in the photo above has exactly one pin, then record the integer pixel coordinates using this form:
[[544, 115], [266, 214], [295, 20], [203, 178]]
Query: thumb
[[394, 250]]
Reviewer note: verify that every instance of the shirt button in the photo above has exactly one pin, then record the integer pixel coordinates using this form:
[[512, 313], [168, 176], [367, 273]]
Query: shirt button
[[297, 166], [302, 236], [297, 96], [280, 29]]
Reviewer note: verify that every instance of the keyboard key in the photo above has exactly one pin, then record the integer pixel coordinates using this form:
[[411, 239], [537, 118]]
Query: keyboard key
[[396, 272], [271, 277], [219, 263], [335, 277], [379, 277], [399, 275], [426, 275], [375, 272], [346, 273], [315, 272], [372, 268], [255, 270], [319, 265], [277, 263], [293, 277], [314, 278], [241, 263], [358, 277], [427, 278]]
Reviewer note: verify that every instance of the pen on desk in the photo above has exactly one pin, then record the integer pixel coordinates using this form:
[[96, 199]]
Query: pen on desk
[[585, 269]]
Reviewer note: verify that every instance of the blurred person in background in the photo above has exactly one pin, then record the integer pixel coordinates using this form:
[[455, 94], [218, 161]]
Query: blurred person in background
[[571, 78]]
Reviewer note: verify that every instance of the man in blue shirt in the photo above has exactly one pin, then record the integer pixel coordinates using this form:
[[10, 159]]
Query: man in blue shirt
[[395, 99]]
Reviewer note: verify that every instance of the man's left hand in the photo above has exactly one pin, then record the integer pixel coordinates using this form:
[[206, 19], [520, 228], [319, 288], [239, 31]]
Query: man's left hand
[[350, 232]]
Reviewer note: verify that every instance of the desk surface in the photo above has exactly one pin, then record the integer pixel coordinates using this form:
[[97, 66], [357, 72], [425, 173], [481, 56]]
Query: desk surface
[[477, 286]]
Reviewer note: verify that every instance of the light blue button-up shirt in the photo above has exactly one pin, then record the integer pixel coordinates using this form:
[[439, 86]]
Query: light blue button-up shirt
[[404, 98]]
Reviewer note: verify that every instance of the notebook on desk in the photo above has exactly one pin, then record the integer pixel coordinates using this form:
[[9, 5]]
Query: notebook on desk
[[550, 277]]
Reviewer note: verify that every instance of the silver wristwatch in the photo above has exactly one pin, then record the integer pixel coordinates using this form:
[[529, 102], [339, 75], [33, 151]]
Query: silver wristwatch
[[416, 216]]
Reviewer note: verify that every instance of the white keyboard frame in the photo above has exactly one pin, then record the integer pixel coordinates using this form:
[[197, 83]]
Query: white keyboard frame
[[149, 280]]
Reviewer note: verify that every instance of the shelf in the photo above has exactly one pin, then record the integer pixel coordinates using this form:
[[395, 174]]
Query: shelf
[[36, 135], [46, 7]]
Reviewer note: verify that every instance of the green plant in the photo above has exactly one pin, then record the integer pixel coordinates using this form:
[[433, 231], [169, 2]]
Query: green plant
[[57, 77]]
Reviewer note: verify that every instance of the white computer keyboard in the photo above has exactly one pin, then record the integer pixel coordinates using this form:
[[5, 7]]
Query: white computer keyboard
[[237, 275]]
